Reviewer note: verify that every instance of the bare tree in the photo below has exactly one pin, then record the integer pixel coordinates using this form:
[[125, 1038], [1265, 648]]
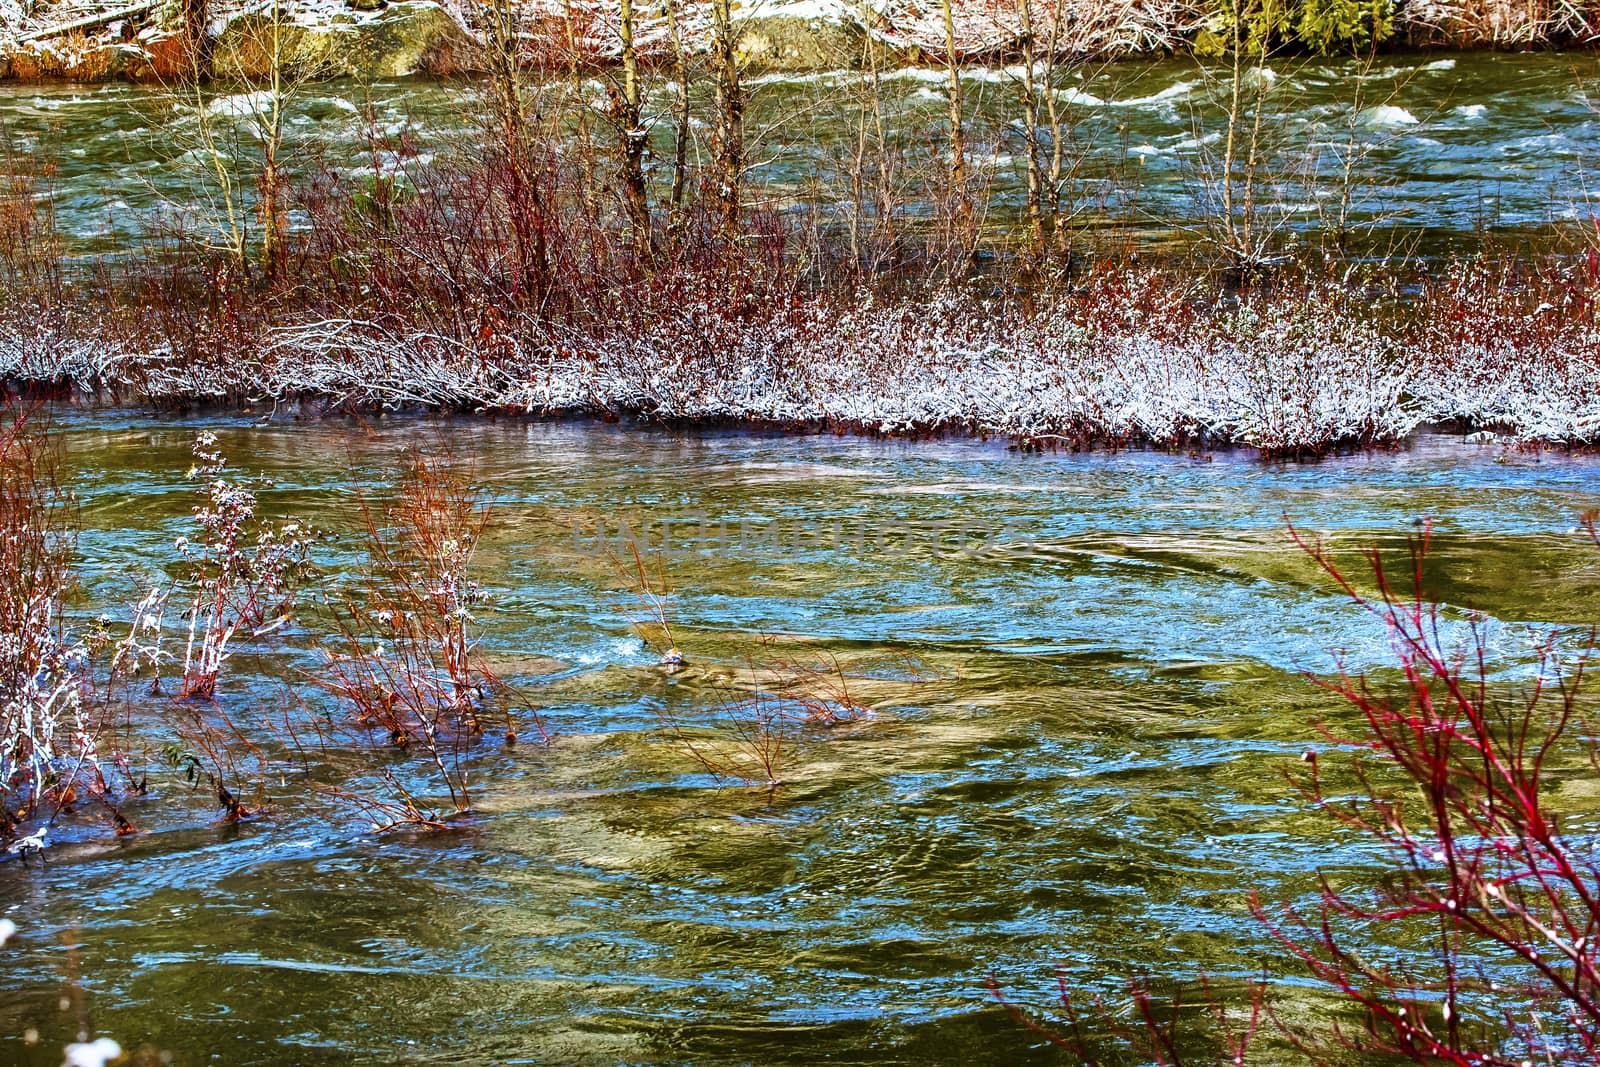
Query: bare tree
[[194, 16], [1234, 224], [628, 111], [1059, 133], [680, 140], [728, 137], [580, 106], [519, 169], [1030, 121], [269, 123], [237, 97], [958, 148]]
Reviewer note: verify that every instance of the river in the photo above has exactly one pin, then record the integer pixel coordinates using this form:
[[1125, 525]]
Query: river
[[1083, 703], [1412, 153]]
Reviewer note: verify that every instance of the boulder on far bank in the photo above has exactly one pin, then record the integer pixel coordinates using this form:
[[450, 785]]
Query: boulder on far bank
[[783, 41], [398, 40], [377, 38], [94, 40]]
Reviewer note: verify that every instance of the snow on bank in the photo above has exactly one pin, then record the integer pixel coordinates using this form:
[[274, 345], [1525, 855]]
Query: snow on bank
[[1279, 378]]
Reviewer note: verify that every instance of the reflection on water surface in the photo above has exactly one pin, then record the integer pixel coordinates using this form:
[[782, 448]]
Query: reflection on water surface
[[1084, 768]]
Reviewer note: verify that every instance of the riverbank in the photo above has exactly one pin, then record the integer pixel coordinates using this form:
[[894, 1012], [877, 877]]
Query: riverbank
[[104, 40], [1125, 357]]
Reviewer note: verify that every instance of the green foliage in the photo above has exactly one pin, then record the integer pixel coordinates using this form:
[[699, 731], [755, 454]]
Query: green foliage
[[1255, 25], [183, 761], [1328, 26], [376, 197], [1319, 26]]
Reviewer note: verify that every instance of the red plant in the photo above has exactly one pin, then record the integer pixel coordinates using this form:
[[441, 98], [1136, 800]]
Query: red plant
[[756, 726], [407, 659], [55, 741], [1153, 1034], [1482, 861], [1484, 869], [31, 256], [819, 693], [217, 753]]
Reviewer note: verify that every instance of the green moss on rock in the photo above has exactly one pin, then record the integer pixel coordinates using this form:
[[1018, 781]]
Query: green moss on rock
[[786, 43], [403, 39]]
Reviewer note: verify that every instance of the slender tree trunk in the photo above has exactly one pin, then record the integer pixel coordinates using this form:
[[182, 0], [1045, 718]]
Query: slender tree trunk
[[1255, 255], [680, 140], [1239, 183], [958, 147], [1229, 149], [871, 208], [882, 145], [631, 119], [586, 157], [728, 137], [521, 178], [272, 223], [272, 234], [1057, 147], [1030, 128], [858, 163]]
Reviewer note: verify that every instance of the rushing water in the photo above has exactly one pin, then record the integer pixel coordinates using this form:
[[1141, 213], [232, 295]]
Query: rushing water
[[1080, 725], [1444, 148]]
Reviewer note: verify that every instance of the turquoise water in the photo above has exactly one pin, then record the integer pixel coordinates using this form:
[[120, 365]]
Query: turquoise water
[[1079, 726], [1432, 149]]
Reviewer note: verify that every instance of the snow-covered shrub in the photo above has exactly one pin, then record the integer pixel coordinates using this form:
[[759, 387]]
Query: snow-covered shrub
[[49, 750], [243, 571]]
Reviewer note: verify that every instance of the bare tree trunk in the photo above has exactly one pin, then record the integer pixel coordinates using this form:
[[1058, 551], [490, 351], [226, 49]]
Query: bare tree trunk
[[1252, 165], [234, 226], [1229, 148], [586, 158], [1057, 147], [272, 221], [958, 147], [858, 165], [521, 178], [680, 143], [1030, 128], [872, 208], [728, 138], [886, 170], [630, 118], [1243, 245]]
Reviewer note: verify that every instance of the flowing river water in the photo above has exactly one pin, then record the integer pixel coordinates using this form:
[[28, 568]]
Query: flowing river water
[[1440, 149], [1083, 704]]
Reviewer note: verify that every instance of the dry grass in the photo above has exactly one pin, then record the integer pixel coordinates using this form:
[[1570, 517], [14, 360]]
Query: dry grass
[[55, 741], [406, 662]]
